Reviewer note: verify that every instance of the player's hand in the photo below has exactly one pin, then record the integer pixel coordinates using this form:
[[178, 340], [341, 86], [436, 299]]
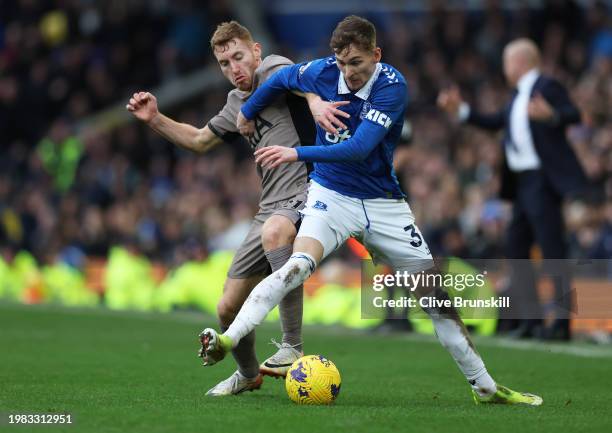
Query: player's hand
[[273, 156], [327, 115], [245, 127], [143, 105], [450, 100], [539, 109]]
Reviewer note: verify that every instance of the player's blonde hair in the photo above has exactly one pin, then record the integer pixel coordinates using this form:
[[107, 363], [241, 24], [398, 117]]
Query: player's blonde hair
[[227, 31], [356, 31]]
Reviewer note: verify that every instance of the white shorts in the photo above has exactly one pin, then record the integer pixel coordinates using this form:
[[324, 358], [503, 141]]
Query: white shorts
[[385, 226]]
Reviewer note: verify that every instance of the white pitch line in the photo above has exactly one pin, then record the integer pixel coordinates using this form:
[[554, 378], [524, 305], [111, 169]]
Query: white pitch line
[[538, 346], [570, 349]]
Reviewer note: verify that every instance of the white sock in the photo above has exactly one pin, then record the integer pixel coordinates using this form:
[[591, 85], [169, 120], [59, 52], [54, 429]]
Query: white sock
[[452, 337], [268, 293]]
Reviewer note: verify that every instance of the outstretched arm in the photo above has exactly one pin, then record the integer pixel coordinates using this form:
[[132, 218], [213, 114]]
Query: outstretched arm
[[299, 79], [356, 148], [325, 114], [283, 80], [387, 106], [451, 102], [143, 106]]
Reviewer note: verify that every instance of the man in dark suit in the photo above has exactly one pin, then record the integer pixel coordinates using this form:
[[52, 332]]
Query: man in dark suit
[[540, 168]]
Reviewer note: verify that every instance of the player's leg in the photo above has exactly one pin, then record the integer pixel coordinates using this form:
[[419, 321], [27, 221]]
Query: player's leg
[[329, 219], [264, 297], [247, 377], [235, 292], [397, 241], [277, 236], [267, 294], [394, 238], [454, 337], [248, 267]]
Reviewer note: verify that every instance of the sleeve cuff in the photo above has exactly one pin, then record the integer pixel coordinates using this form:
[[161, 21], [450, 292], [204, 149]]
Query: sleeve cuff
[[464, 112], [214, 130], [300, 153], [247, 112]]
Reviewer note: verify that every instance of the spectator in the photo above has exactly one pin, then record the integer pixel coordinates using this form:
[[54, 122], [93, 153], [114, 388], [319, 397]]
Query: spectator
[[130, 185], [540, 169]]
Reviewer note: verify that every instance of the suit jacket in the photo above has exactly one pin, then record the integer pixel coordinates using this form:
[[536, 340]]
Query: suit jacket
[[558, 160]]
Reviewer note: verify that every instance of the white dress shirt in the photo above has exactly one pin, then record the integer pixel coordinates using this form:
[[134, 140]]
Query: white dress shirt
[[520, 153]]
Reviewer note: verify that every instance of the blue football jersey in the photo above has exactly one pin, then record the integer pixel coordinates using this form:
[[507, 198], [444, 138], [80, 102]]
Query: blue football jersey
[[356, 162]]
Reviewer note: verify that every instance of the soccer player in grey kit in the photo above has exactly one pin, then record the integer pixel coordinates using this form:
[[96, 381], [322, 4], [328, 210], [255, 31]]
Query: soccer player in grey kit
[[268, 244]]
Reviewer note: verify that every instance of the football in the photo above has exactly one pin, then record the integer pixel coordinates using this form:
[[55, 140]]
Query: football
[[313, 379]]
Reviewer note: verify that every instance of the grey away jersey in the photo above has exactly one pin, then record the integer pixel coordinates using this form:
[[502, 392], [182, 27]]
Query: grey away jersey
[[275, 126]]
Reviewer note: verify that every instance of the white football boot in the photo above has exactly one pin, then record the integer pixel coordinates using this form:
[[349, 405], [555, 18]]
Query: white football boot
[[278, 364], [235, 384]]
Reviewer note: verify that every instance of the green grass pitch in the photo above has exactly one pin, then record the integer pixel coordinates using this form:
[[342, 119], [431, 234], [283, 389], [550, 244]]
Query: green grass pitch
[[137, 372]]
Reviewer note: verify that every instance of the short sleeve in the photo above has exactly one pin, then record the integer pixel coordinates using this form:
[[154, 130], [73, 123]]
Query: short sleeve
[[300, 77], [223, 125], [269, 66]]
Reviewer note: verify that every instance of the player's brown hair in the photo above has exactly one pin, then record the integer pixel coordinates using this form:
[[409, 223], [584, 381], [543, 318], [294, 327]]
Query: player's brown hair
[[227, 31], [353, 30]]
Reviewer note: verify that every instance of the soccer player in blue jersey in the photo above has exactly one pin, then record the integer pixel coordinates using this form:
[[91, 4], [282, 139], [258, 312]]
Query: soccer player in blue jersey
[[353, 192]]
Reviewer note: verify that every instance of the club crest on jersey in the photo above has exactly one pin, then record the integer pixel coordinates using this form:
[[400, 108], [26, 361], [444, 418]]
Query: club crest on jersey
[[364, 109], [320, 205], [377, 117]]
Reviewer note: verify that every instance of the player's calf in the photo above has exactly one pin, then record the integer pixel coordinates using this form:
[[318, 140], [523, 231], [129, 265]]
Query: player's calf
[[454, 337]]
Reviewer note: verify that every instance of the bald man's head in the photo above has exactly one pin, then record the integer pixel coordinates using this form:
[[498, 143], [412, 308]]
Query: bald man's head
[[520, 56]]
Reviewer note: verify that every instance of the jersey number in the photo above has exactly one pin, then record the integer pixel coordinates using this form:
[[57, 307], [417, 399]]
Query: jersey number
[[417, 240]]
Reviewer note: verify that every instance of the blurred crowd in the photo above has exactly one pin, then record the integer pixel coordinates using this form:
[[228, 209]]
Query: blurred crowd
[[451, 172], [67, 195]]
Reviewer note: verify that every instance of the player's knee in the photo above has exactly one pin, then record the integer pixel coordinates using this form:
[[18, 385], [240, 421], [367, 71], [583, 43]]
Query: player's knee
[[277, 232]]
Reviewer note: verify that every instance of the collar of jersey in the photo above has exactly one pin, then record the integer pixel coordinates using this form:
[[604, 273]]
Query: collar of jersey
[[364, 92]]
